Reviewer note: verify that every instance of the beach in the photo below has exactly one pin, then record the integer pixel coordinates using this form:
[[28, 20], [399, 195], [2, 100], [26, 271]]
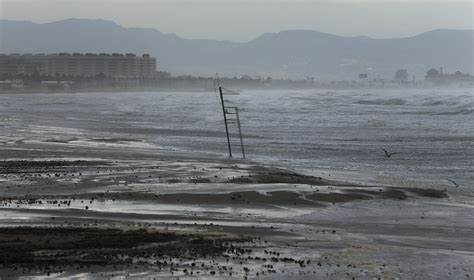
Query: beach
[[117, 185]]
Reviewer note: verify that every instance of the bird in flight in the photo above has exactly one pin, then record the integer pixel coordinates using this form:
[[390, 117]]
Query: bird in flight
[[454, 183], [387, 154]]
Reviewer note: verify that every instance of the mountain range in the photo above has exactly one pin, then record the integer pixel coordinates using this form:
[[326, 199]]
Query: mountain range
[[291, 53]]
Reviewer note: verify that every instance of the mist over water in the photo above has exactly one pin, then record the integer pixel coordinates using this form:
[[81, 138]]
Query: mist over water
[[359, 139], [431, 131]]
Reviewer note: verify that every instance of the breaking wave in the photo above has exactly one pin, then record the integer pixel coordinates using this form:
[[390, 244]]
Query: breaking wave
[[393, 101]]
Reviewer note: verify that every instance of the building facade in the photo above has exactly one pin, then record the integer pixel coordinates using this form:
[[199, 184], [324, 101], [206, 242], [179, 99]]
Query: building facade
[[79, 65], [436, 77]]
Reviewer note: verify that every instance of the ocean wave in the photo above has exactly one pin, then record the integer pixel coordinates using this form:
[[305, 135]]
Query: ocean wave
[[458, 112], [393, 101], [433, 103]]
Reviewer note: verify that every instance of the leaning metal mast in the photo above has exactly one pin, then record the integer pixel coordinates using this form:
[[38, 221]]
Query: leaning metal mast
[[228, 112]]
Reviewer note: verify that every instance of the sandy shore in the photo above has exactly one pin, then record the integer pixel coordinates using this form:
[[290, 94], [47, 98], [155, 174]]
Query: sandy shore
[[202, 217]]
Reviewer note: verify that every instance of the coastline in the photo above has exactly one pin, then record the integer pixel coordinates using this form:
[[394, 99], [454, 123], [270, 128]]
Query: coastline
[[275, 219], [245, 209], [244, 88]]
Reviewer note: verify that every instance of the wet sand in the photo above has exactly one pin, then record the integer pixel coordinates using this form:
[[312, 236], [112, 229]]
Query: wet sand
[[57, 250], [104, 218]]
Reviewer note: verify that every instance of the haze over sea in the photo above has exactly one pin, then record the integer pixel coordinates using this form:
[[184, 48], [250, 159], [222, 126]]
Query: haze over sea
[[331, 132]]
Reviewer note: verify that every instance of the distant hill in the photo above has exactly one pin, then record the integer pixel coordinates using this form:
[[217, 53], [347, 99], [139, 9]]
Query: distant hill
[[294, 53]]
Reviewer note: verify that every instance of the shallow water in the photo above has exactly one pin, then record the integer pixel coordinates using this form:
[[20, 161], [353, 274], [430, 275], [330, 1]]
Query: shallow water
[[328, 134], [431, 131]]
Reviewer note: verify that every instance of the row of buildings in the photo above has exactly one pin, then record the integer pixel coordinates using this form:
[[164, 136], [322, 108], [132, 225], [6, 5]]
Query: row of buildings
[[438, 77], [79, 65]]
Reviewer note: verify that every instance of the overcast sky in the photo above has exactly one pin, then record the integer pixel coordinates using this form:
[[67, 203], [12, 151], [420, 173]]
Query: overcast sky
[[242, 20]]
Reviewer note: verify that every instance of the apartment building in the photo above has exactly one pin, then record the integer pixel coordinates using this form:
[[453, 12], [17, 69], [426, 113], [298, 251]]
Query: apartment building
[[78, 64]]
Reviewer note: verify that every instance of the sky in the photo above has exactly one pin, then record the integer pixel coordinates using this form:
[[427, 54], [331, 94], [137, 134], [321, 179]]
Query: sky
[[243, 20]]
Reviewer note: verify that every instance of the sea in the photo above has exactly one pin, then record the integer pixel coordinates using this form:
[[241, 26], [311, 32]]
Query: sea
[[430, 131]]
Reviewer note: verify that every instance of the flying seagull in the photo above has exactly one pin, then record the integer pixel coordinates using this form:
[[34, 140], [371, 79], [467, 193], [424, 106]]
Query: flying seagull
[[454, 183], [387, 154]]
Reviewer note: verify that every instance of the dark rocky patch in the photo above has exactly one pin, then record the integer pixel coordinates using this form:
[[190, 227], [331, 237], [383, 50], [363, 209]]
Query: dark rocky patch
[[53, 246], [33, 166]]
